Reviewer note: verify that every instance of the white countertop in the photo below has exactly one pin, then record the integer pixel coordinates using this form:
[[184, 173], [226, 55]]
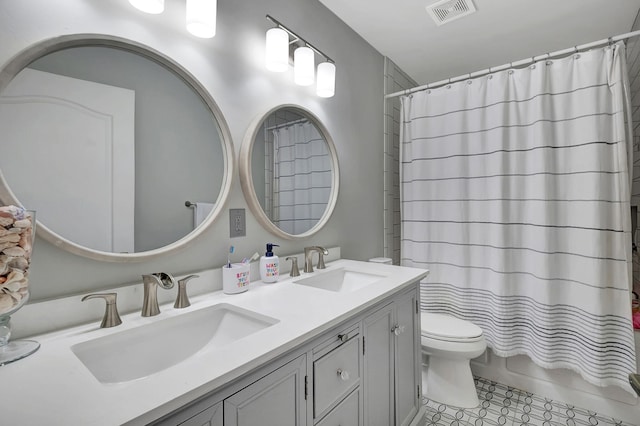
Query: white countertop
[[54, 387]]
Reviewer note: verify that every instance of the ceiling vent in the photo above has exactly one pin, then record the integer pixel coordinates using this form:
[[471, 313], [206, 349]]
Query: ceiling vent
[[445, 11]]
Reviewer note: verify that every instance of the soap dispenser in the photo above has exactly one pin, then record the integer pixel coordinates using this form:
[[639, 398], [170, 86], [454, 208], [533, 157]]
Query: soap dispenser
[[269, 265]]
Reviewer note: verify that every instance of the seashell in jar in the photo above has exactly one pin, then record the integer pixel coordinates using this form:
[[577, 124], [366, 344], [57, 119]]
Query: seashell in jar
[[6, 302], [20, 263], [25, 241], [11, 286], [16, 296], [4, 264], [15, 281], [10, 238], [7, 245], [6, 221], [22, 223], [14, 251], [10, 211]]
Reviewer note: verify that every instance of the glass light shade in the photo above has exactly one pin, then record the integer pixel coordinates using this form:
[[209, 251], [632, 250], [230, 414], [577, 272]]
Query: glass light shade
[[277, 50], [326, 85], [303, 66], [201, 17], [148, 6]]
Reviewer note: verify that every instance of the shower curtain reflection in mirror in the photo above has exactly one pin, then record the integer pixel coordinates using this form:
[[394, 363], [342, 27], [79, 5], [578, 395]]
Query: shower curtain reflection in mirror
[[297, 175]]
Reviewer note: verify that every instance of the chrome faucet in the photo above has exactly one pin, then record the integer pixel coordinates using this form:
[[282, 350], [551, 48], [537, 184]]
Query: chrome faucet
[[111, 317], [308, 257], [151, 282], [295, 272], [182, 301]]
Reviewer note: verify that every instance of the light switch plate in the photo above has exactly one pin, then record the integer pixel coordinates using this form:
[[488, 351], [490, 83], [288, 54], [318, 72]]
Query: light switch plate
[[237, 223]]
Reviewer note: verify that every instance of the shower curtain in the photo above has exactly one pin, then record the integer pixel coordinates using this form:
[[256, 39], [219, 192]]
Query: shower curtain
[[301, 177], [515, 194]]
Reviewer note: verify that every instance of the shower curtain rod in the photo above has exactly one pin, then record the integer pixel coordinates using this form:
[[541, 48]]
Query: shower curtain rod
[[289, 123], [528, 61]]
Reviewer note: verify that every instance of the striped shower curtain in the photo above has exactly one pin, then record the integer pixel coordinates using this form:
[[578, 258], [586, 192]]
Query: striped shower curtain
[[515, 194], [301, 177]]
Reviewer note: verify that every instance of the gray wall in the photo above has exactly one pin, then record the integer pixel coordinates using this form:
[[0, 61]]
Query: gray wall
[[395, 80], [633, 66], [231, 68]]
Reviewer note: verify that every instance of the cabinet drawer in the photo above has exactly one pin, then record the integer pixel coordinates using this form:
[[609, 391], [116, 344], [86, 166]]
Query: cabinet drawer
[[335, 375], [337, 339], [347, 413]]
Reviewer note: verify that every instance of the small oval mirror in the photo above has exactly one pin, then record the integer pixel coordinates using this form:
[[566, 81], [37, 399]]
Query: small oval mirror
[[289, 172]]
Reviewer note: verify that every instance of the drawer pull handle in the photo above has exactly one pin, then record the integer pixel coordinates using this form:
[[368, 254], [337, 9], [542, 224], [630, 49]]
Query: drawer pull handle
[[398, 329], [343, 337], [344, 375]]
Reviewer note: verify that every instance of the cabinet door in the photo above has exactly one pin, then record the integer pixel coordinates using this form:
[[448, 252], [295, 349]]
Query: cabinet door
[[277, 399], [347, 413], [212, 416], [378, 368], [407, 362]]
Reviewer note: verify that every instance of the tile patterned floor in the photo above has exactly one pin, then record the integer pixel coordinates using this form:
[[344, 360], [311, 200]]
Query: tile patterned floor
[[507, 406]]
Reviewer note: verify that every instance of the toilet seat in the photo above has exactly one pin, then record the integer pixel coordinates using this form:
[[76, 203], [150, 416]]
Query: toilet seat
[[448, 328]]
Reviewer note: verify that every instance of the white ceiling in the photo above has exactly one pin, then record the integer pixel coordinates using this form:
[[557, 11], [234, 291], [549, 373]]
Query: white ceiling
[[501, 31]]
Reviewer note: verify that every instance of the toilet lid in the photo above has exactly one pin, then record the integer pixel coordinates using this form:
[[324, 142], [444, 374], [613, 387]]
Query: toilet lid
[[448, 327]]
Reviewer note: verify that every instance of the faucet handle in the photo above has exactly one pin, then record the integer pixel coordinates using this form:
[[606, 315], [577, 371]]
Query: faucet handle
[[111, 317], [182, 301], [295, 272], [321, 253]]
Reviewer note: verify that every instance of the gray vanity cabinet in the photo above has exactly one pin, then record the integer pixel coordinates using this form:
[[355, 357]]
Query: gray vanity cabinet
[[407, 358], [391, 362], [277, 399], [337, 377], [364, 371], [212, 416], [379, 368]]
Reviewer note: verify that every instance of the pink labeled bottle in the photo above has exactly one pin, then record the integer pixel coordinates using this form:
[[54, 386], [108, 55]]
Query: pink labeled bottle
[[269, 265]]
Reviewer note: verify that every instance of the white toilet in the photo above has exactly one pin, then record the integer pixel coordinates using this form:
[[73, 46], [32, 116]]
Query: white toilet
[[450, 343]]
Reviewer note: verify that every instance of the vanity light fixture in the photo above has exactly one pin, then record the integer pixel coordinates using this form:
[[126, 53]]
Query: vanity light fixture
[[277, 50], [201, 17], [148, 6], [303, 66], [280, 40], [201, 14], [326, 84]]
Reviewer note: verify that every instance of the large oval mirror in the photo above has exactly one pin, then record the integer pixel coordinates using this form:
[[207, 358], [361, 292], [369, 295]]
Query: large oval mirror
[[289, 172], [119, 149]]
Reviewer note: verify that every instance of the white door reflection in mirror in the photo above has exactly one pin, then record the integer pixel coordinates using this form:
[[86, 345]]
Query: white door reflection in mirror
[[77, 165]]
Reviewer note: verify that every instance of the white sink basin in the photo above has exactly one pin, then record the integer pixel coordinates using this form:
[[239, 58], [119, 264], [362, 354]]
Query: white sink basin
[[150, 348], [341, 280]]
